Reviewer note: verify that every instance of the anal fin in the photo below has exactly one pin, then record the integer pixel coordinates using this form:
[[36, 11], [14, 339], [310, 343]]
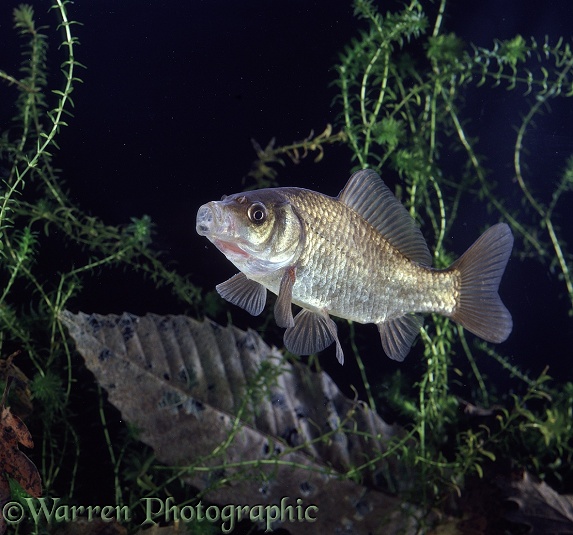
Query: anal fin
[[312, 332], [398, 335], [244, 293]]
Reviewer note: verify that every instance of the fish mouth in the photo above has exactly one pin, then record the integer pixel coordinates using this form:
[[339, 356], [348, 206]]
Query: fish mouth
[[208, 219], [214, 224], [213, 221]]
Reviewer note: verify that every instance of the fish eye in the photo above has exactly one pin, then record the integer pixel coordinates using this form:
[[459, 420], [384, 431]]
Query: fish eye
[[257, 213]]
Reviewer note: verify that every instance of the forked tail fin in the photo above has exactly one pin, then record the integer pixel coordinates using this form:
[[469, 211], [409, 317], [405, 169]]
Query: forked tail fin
[[479, 308]]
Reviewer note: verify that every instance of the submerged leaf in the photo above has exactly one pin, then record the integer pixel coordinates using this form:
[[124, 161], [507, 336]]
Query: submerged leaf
[[13, 462], [540, 507], [249, 426]]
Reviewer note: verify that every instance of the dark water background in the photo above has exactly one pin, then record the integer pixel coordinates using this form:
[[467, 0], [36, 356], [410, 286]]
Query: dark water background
[[175, 90]]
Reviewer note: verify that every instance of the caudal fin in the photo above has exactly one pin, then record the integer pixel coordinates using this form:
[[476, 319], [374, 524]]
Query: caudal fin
[[479, 308]]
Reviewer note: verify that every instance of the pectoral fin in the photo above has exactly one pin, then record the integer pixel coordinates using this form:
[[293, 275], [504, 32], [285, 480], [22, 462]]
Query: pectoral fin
[[244, 293], [398, 335], [283, 306], [312, 332]]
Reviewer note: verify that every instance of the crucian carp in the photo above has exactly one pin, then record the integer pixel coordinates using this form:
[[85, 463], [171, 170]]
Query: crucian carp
[[358, 256]]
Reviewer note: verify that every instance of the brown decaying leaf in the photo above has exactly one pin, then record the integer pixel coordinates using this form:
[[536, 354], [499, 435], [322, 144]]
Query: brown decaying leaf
[[191, 389], [21, 397], [14, 462], [541, 508]]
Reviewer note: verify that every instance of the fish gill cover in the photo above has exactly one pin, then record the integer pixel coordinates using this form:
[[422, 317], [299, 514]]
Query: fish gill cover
[[474, 414]]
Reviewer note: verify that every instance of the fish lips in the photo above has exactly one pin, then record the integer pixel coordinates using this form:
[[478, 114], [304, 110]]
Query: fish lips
[[209, 219], [214, 222]]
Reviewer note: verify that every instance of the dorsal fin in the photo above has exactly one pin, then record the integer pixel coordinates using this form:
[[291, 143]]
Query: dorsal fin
[[366, 194]]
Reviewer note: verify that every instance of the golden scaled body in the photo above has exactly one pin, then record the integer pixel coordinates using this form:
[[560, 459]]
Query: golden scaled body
[[349, 269]]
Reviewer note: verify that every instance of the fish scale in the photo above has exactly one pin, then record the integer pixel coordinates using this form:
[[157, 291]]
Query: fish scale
[[349, 270]]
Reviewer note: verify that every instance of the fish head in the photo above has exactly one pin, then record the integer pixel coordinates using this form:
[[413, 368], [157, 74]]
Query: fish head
[[259, 231]]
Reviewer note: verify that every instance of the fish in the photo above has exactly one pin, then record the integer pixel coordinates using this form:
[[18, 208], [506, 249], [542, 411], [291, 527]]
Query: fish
[[359, 256]]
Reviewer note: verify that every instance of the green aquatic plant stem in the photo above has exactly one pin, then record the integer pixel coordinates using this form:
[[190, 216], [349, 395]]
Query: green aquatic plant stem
[[480, 173], [31, 95], [360, 363], [56, 455], [441, 231], [56, 115], [434, 384], [562, 262], [475, 369], [544, 213], [439, 18], [504, 362], [350, 132], [395, 449], [13, 81], [369, 122], [110, 447]]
